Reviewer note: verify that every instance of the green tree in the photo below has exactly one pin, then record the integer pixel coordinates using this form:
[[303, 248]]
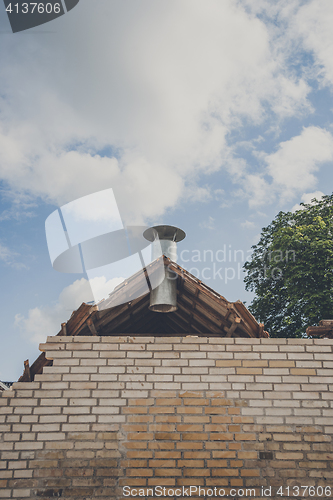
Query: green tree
[[291, 270]]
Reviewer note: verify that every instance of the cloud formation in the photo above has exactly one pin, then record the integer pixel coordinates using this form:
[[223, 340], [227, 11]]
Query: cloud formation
[[307, 199], [293, 166], [43, 321], [144, 106]]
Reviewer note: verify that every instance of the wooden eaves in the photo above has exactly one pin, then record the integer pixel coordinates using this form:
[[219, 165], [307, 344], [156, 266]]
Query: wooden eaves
[[201, 312]]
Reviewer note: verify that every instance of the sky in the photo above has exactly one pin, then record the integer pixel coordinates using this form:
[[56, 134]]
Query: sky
[[211, 116]]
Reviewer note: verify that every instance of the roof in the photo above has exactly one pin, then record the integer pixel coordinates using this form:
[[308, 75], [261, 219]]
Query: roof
[[324, 330], [201, 311]]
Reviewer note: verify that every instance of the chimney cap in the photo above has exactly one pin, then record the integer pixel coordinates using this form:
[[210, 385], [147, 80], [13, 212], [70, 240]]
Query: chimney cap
[[171, 233]]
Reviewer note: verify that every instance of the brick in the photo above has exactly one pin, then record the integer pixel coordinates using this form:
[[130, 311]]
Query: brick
[[219, 340], [217, 463], [82, 385], [168, 401], [313, 465], [250, 472], [251, 341], [22, 402], [249, 371], [221, 436], [82, 402], [319, 348], [162, 463], [247, 355], [190, 339], [201, 362], [83, 346], [225, 472], [58, 354], [186, 347], [169, 436], [240, 378], [188, 378], [300, 355], [281, 364], [224, 363], [259, 387], [188, 455], [210, 347], [168, 385], [133, 347], [167, 472], [315, 387], [140, 472], [163, 427], [277, 355], [267, 348], [292, 348], [196, 370], [296, 446], [194, 355], [239, 347], [258, 363], [167, 370], [279, 395], [175, 362], [196, 472], [320, 379], [268, 379], [51, 436], [286, 387], [71, 377], [286, 437]]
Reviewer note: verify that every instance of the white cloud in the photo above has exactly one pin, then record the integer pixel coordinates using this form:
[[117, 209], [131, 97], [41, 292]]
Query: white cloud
[[161, 85], [307, 199], [287, 172], [256, 188], [247, 224], [11, 258], [294, 165], [313, 23], [6, 255], [43, 321], [208, 224]]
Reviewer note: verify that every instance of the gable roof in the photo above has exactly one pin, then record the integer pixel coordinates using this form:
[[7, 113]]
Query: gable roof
[[201, 312]]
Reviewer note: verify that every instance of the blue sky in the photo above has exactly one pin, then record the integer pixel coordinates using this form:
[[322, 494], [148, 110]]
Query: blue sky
[[211, 116]]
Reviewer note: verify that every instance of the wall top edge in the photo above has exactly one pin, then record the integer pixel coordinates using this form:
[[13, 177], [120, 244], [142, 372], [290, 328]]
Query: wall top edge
[[187, 340]]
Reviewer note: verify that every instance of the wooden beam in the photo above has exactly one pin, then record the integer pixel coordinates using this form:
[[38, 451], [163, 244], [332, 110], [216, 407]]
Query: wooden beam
[[26, 377], [233, 327], [198, 319], [91, 326]]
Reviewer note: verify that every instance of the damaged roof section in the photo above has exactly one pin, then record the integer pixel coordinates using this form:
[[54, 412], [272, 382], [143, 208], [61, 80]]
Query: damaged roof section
[[201, 311], [324, 330]]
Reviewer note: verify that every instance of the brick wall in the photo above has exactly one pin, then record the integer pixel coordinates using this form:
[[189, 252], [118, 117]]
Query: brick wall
[[171, 412]]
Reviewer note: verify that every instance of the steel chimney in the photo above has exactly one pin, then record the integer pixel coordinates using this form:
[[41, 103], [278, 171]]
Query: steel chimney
[[163, 298]]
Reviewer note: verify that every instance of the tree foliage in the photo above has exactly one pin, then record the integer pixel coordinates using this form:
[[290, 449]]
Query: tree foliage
[[291, 270]]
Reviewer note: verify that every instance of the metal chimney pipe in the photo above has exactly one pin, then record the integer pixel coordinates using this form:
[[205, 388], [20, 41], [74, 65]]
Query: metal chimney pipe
[[163, 298]]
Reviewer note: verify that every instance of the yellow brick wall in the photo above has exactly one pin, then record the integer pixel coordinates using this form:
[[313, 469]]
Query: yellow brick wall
[[147, 412]]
